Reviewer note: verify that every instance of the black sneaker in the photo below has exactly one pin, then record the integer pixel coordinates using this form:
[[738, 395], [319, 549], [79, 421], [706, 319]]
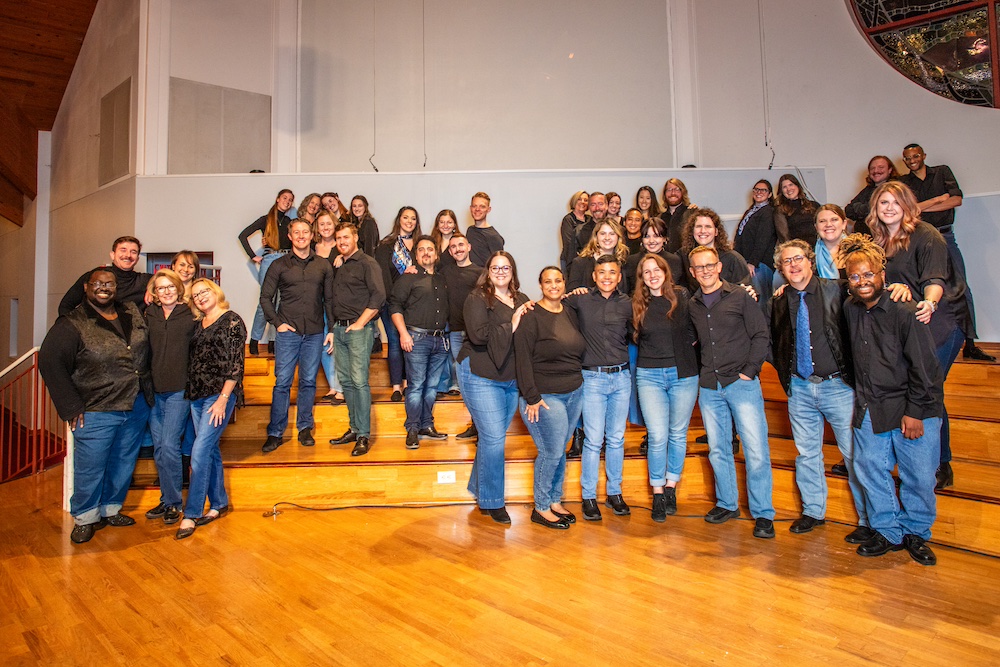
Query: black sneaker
[[412, 439], [670, 496], [306, 438], [763, 528], [118, 520], [721, 515], [617, 505], [659, 514], [591, 512], [271, 444], [157, 512], [171, 516]]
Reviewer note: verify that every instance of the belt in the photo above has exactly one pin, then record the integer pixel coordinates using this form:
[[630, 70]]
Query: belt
[[607, 369], [816, 379], [944, 229], [344, 323], [428, 332]]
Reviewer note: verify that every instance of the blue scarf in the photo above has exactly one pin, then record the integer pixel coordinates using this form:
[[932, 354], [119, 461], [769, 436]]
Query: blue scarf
[[824, 262], [749, 214], [401, 256]]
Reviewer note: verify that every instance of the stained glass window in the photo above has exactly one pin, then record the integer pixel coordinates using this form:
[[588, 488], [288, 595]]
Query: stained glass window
[[946, 46]]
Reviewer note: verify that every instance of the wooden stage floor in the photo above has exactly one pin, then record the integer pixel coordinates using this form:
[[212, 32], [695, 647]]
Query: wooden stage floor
[[446, 586]]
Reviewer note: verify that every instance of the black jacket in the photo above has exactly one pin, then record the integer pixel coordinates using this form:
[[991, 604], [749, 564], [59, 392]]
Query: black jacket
[[758, 239], [832, 294]]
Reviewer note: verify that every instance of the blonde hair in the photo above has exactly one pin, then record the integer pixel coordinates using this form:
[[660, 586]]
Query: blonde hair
[[220, 296], [592, 250], [174, 278]]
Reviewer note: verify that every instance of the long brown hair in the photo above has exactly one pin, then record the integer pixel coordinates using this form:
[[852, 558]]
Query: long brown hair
[[911, 216], [785, 205], [641, 296], [591, 249], [436, 231], [484, 286], [688, 243], [271, 238], [654, 204]]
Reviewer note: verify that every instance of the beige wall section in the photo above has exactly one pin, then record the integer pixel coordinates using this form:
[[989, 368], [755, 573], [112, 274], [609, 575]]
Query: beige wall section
[[17, 270], [513, 85]]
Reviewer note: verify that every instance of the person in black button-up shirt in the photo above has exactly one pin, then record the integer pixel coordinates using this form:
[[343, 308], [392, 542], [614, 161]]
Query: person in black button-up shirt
[[734, 340], [419, 310], [899, 400], [304, 281]]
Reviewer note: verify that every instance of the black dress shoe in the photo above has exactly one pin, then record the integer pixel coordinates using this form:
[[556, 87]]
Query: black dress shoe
[[349, 436], [270, 347], [254, 347], [659, 514], [118, 520], [362, 446], [576, 445], [839, 469], [945, 476], [208, 518], [559, 524], [469, 433], [644, 445], [591, 512], [702, 439], [430, 433], [617, 505], [763, 528], [918, 550], [157, 512], [412, 439], [306, 438], [567, 515], [976, 353], [171, 516], [499, 515], [721, 515], [670, 496], [859, 535], [397, 396], [271, 444], [804, 524], [82, 533], [878, 546]]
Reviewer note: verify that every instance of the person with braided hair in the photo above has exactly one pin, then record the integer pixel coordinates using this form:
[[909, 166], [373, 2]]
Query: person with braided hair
[[898, 403]]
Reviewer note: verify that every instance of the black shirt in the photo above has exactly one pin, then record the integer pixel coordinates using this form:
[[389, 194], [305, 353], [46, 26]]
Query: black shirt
[[422, 299], [734, 269], [858, 210], [798, 224], [665, 342], [604, 323], [925, 262], [675, 222], [548, 353], [461, 280], [216, 356], [733, 335], [897, 372], [489, 342], [632, 278], [259, 225], [937, 181], [357, 286], [306, 290], [169, 339], [634, 245], [822, 356], [484, 241], [131, 289], [568, 229]]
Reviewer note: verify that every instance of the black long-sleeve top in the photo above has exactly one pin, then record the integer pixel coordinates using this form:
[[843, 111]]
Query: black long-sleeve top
[[937, 181], [169, 340], [422, 299], [632, 278], [367, 235], [925, 262], [858, 209], [489, 343], [604, 323], [306, 290], [259, 225], [383, 255], [131, 289], [757, 240], [216, 355], [461, 280], [733, 336], [897, 372], [548, 353], [668, 341], [357, 286], [734, 269], [484, 241], [797, 225], [568, 229]]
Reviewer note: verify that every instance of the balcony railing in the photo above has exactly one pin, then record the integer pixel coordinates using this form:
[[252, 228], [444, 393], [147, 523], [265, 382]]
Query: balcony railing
[[32, 437]]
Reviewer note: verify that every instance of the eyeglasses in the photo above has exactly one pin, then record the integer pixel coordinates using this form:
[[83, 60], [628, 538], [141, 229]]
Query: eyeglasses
[[500, 269], [97, 284], [166, 288], [797, 259], [855, 278], [673, 190], [762, 191], [199, 295], [705, 268]]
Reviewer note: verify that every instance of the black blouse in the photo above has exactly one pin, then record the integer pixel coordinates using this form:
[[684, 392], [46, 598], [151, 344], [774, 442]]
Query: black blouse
[[489, 343], [216, 356], [169, 341], [665, 342], [548, 353]]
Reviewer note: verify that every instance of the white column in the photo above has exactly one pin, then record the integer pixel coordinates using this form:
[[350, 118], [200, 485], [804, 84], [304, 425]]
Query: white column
[[284, 88], [684, 83], [153, 87], [43, 201]]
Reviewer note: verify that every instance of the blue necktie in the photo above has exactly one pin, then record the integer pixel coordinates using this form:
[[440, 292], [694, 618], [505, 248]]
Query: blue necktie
[[803, 348]]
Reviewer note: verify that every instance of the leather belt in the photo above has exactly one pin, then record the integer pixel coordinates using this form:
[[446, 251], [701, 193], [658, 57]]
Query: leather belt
[[344, 323], [428, 332], [607, 369], [817, 379]]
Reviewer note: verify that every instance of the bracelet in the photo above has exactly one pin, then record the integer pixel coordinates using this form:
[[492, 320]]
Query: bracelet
[[224, 395], [934, 305]]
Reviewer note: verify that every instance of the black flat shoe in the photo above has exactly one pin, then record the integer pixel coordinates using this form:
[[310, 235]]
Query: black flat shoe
[[567, 515], [659, 514], [362, 446], [84, 532], [644, 445], [469, 433], [976, 353], [254, 347], [171, 516], [349, 436], [157, 512], [804, 524], [208, 518], [270, 347], [184, 533], [333, 400], [499, 515], [397, 396], [559, 524]]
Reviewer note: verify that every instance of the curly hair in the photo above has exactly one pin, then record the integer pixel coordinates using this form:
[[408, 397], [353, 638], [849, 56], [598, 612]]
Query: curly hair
[[688, 243], [861, 248]]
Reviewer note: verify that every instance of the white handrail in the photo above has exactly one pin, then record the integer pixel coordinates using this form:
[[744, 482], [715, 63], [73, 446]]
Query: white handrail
[[19, 361]]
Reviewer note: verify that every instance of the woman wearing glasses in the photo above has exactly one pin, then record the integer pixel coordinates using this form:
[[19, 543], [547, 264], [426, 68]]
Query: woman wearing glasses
[[171, 327], [486, 375], [704, 228], [756, 237], [214, 383]]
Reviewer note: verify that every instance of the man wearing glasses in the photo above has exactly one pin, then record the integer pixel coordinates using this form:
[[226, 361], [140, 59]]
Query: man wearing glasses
[[732, 333], [95, 362], [810, 349]]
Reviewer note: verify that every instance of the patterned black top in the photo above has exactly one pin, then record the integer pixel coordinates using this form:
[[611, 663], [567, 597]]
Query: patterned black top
[[216, 355]]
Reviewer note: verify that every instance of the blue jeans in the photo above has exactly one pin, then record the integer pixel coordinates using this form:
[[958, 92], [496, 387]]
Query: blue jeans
[[290, 350], [667, 402], [946, 353], [876, 454], [353, 352], [449, 374], [327, 361], [168, 422], [105, 450], [259, 321], [605, 399], [423, 364], [550, 433], [206, 459], [492, 405], [743, 401], [395, 352], [808, 405]]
